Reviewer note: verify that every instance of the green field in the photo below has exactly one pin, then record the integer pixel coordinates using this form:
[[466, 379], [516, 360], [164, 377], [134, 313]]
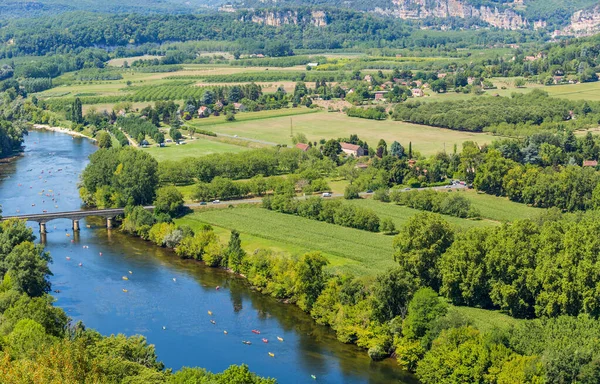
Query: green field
[[500, 208], [348, 250], [192, 148], [400, 214], [486, 320], [325, 125]]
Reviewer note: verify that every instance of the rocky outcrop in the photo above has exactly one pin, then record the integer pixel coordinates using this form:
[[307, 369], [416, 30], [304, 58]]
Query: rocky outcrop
[[279, 18], [583, 23], [505, 18]]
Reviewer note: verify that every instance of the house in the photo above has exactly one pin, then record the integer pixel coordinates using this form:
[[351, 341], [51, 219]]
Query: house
[[590, 163], [203, 111], [303, 147], [380, 95], [369, 79], [442, 75], [219, 104], [239, 107], [418, 83], [411, 163], [558, 79], [260, 56], [418, 92], [352, 150]]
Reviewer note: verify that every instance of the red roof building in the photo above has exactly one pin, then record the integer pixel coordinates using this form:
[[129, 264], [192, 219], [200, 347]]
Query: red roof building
[[590, 163], [352, 150], [303, 147]]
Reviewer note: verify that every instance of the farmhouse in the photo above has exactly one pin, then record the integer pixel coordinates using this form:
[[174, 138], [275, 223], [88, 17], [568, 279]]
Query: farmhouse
[[417, 92], [590, 163], [352, 150], [203, 111], [380, 95], [303, 147]]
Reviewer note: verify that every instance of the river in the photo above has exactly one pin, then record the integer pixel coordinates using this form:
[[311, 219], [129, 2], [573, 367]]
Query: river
[[168, 299]]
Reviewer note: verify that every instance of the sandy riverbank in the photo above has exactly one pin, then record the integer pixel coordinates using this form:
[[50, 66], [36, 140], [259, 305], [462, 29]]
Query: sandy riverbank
[[61, 130]]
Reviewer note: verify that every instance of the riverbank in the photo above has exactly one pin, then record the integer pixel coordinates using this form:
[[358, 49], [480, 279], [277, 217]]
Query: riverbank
[[67, 131]]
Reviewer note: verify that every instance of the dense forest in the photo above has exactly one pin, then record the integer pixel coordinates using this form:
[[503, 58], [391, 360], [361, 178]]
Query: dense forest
[[68, 32]]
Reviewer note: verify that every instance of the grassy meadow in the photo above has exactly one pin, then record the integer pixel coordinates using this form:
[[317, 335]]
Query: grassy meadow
[[324, 125], [192, 148]]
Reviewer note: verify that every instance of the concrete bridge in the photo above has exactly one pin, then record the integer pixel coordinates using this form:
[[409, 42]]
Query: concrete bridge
[[75, 216]]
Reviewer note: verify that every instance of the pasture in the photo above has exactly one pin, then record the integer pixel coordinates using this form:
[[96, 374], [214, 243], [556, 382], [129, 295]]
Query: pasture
[[326, 125], [193, 148]]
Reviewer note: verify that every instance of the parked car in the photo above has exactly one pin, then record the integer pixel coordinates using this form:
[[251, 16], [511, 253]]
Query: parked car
[[203, 203], [326, 194], [370, 191], [216, 201], [406, 189]]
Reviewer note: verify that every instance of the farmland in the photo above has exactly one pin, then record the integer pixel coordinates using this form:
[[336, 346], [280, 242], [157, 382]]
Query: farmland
[[324, 125], [194, 148]]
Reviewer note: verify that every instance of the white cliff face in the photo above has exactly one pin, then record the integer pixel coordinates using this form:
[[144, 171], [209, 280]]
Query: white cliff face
[[583, 23], [420, 9], [279, 18]]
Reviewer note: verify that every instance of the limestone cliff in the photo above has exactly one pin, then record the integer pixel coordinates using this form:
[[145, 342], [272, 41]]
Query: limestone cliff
[[505, 18], [281, 17], [583, 23]]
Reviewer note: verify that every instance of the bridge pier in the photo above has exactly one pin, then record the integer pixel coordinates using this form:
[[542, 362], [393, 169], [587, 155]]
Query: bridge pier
[[43, 228], [109, 222], [76, 225]]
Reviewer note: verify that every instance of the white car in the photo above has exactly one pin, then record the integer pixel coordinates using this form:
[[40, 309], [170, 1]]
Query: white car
[[327, 194], [216, 201]]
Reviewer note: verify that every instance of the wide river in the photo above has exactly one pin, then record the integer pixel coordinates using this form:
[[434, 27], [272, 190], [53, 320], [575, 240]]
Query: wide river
[[168, 299]]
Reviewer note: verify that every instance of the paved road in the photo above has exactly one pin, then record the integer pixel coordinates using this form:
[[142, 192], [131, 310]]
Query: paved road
[[245, 139]]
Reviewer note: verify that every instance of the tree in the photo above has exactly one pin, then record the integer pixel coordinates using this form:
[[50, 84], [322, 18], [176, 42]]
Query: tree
[[457, 356], [424, 308], [397, 150], [438, 86], [230, 116], [310, 279], [351, 192], [27, 265], [387, 226], [104, 140], [234, 252], [77, 111], [175, 134], [519, 82], [27, 338], [420, 244], [332, 149], [168, 200], [391, 292]]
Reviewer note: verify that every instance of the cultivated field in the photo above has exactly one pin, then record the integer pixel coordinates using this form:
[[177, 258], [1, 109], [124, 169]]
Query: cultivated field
[[347, 249], [400, 214], [325, 125]]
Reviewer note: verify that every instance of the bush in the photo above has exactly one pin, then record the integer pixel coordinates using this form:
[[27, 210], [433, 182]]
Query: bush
[[351, 192]]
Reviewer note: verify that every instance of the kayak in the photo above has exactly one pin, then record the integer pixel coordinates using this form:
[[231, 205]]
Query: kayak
[[246, 342], [279, 338], [314, 377], [271, 354], [265, 340], [213, 322], [210, 313], [256, 331]]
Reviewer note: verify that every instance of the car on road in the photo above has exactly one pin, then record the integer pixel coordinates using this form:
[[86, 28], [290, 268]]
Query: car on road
[[370, 191], [448, 186], [203, 203], [216, 201], [406, 189], [326, 194]]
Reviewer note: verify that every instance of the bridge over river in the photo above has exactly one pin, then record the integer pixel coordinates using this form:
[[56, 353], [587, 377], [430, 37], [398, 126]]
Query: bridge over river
[[75, 216]]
